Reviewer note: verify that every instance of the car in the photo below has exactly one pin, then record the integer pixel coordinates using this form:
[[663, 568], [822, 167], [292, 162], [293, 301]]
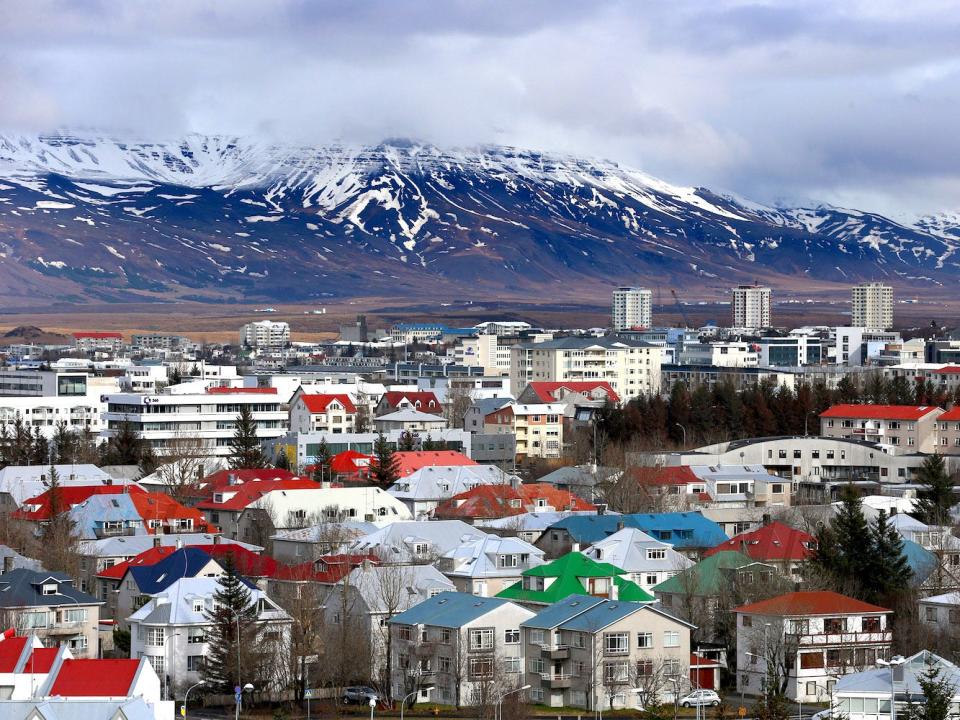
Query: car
[[362, 694], [700, 697], [822, 715]]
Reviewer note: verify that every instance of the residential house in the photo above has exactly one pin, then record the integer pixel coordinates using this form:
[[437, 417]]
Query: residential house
[[528, 526], [421, 424], [538, 428], [713, 486], [475, 417], [599, 654], [20, 482], [409, 461], [647, 561], [948, 429], [423, 490], [586, 393], [422, 401], [307, 544], [910, 428], [782, 546], [822, 635], [10, 559], [487, 564], [48, 605], [170, 631], [459, 643], [487, 502], [24, 665], [414, 542], [581, 480], [333, 412], [573, 574], [940, 614]]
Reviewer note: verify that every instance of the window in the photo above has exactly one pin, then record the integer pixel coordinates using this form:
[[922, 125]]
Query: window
[[616, 643], [75, 615], [776, 488], [536, 637], [157, 662], [481, 667], [511, 637], [651, 580], [798, 627], [644, 640], [871, 624], [579, 640], [194, 662], [930, 614], [512, 665], [615, 672], [406, 632], [195, 635], [445, 636], [656, 553], [50, 589], [645, 668], [810, 660], [444, 664], [155, 636], [671, 638], [481, 639], [954, 616], [834, 626], [36, 619], [747, 621], [507, 561], [671, 667], [198, 606], [537, 666]]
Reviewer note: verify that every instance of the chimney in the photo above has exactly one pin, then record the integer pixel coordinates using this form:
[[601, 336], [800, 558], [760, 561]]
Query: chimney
[[766, 519], [216, 539], [614, 590], [7, 563], [157, 540]]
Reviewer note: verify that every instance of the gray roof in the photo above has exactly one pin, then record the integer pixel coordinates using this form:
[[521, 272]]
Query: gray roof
[[580, 343], [449, 609], [478, 558], [131, 545], [23, 588], [532, 521], [488, 405], [394, 543], [410, 415], [174, 605], [75, 708], [435, 482], [350, 529], [578, 475], [379, 585], [18, 560], [562, 611], [627, 549], [877, 681], [97, 509]]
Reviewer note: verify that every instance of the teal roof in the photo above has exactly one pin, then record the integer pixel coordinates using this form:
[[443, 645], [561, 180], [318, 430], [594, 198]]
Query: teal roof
[[561, 611], [706, 577], [680, 529], [448, 609], [922, 562]]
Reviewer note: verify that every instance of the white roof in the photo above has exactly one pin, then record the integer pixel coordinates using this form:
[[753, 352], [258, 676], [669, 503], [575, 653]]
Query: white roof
[[877, 681], [395, 543], [362, 501], [410, 415], [950, 598], [533, 521], [539, 409], [413, 584], [25, 481], [434, 482], [176, 604], [477, 558], [317, 533], [131, 545], [627, 549]]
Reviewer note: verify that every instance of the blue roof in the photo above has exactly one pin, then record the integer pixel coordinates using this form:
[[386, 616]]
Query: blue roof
[[922, 562], [93, 512], [448, 609], [680, 529], [602, 615], [185, 562], [562, 611]]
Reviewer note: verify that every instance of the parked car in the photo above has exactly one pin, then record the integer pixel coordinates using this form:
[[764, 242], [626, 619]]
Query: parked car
[[360, 694], [822, 715], [700, 697]]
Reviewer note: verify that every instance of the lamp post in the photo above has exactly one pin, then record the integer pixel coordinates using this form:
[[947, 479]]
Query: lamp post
[[892, 663], [498, 714], [373, 704], [684, 430], [403, 703], [186, 696], [676, 695], [246, 688]]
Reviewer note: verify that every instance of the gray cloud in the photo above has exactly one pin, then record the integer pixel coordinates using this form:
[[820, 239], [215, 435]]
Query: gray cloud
[[838, 100]]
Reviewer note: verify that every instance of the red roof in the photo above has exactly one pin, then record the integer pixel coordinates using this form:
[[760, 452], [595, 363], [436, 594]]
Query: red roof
[[241, 391], [701, 661], [319, 403], [547, 391], [160, 506], [10, 651], [775, 541], [879, 412], [97, 335], [68, 496], [424, 400], [409, 461], [147, 557], [250, 492], [246, 562], [668, 475], [497, 501], [222, 479], [555, 497], [350, 461], [41, 660], [810, 602], [951, 414], [95, 678], [329, 569], [949, 370]]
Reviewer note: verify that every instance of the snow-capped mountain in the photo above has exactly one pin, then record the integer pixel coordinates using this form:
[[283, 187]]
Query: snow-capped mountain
[[95, 218]]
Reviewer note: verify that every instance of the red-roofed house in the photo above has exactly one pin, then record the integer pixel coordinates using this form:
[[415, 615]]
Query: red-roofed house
[[227, 504], [910, 428], [102, 679], [822, 633], [330, 413], [24, 664], [421, 401], [409, 461], [776, 544], [704, 672], [345, 467], [580, 393], [948, 432], [38, 509], [486, 502], [326, 570], [227, 478], [163, 515]]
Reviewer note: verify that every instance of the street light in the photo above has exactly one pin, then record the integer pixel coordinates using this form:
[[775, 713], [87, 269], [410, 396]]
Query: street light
[[186, 696], [892, 663], [373, 704], [403, 703], [684, 433], [239, 698], [499, 711], [676, 695]]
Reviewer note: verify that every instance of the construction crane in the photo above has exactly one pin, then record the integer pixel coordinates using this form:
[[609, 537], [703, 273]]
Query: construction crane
[[683, 313]]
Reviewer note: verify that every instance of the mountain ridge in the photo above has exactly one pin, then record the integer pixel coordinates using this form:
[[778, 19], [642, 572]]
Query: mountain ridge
[[92, 218]]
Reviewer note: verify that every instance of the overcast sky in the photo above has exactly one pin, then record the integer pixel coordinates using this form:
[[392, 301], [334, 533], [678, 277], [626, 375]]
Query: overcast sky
[[854, 103]]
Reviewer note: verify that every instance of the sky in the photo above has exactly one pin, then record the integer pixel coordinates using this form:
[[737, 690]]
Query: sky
[[850, 102]]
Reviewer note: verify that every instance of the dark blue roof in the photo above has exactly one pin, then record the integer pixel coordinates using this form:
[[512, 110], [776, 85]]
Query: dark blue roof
[[680, 529], [185, 562], [24, 588]]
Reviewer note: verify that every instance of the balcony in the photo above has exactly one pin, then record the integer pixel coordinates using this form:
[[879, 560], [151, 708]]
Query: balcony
[[65, 628], [555, 652], [847, 638], [556, 681]]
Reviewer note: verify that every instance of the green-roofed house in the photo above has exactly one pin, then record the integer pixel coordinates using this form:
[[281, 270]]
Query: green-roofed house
[[697, 592], [574, 574]]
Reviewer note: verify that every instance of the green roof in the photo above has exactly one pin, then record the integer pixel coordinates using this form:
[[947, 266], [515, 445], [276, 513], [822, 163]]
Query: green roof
[[568, 570], [704, 578]]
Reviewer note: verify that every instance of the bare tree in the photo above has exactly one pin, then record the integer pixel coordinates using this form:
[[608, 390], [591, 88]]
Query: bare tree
[[184, 465], [302, 599]]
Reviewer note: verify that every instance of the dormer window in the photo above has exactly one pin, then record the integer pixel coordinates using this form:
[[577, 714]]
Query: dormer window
[[50, 588]]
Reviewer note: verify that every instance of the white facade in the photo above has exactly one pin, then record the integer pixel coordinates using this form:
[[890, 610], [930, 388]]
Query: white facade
[[331, 415], [290, 507], [266, 334], [751, 306], [861, 346], [632, 308], [872, 306], [165, 419], [484, 351]]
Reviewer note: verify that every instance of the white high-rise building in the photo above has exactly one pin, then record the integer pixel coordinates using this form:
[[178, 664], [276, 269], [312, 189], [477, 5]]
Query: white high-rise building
[[872, 306], [632, 308], [265, 334], [751, 306]]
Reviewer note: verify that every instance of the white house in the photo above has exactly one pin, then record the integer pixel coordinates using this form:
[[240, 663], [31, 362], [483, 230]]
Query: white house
[[649, 562], [422, 490], [486, 565], [414, 542], [329, 412], [412, 421]]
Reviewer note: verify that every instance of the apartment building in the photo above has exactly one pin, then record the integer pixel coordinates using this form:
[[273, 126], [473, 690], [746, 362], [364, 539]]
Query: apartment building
[[598, 654], [911, 428], [165, 419], [333, 413], [948, 432], [632, 308], [872, 306], [824, 633], [751, 306], [265, 335], [486, 351], [110, 342], [862, 346], [630, 367]]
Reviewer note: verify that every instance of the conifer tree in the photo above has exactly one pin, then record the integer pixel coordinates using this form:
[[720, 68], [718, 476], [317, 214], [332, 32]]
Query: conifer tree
[[892, 573], [321, 462], [937, 694], [936, 499], [386, 466], [245, 449], [233, 616]]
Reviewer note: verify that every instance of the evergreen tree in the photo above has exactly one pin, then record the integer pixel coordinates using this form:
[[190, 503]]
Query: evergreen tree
[[936, 498], [64, 443], [407, 442], [845, 555], [891, 573], [124, 448], [430, 444], [386, 466], [245, 449], [40, 448], [227, 662], [321, 463], [900, 392], [175, 377], [937, 694], [282, 462]]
